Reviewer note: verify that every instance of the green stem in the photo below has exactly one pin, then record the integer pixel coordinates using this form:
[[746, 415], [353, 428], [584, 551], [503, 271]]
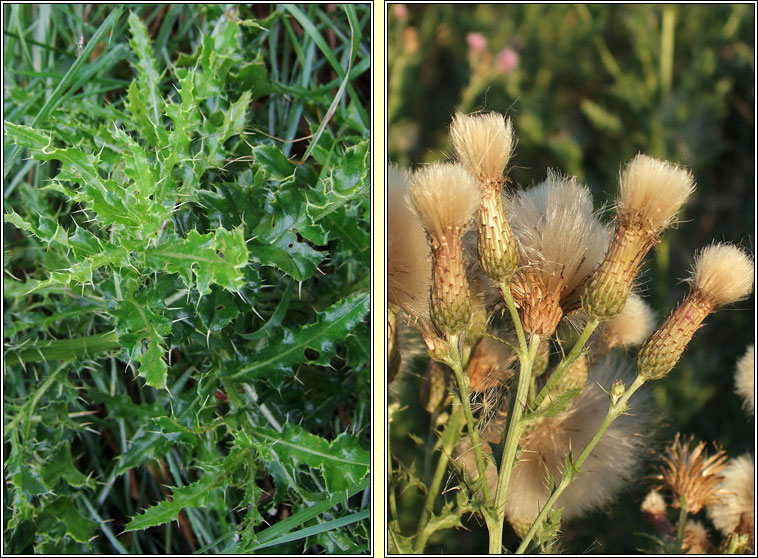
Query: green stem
[[682, 524], [27, 412], [390, 488], [64, 349], [667, 48], [505, 288], [513, 431], [616, 409], [461, 378], [449, 438], [576, 351]]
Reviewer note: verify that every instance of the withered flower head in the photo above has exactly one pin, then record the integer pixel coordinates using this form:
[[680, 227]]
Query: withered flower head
[[695, 539], [445, 197], [561, 242], [734, 513], [692, 474], [722, 274], [745, 379], [651, 192], [491, 365], [483, 144], [409, 269]]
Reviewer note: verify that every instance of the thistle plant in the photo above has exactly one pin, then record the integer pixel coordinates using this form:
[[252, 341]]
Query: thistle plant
[[186, 280], [531, 307]]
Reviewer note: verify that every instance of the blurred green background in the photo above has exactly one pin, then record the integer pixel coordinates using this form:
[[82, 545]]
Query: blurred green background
[[588, 87]]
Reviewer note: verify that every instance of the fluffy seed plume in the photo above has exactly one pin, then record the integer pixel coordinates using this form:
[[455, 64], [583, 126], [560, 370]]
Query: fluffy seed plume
[[691, 474], [630, 328], [651, 192], [408, 260], [445, 197], [744, 379], [561, 242], [654, 510], [484, 144], [722, 274], [607, 470], [734, 513], [695, 539]]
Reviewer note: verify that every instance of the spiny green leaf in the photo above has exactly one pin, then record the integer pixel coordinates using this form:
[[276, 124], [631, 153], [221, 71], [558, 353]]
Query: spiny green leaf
[[347, 180], [148, 78], [236, 117], [273, 160], [217, 310], [297, 259], [193, 495], [143, 328], [334, 323], [343, 463], [214, 258], [253, 76], [26, 136], [77, 526], [61, 466]]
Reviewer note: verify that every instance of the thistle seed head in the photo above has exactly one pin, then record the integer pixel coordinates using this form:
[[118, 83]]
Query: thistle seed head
[[484, 143], [734, 512], [724, 273], [445, 197], [653, 191], [691, 474], [721, 274], [409, 269], [745, 379], [560, 242]]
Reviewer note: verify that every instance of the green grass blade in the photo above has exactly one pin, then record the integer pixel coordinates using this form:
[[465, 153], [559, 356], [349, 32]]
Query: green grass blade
[[279, 529], [70, 78], [316, 529]]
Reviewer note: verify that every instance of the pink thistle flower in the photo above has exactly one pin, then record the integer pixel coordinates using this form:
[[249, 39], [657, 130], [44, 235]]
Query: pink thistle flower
[[476, 42], [507, 60]]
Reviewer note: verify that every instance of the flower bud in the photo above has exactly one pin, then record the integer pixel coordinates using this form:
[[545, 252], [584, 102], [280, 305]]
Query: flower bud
[[651, 193], [722, 274], [617, 390]]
